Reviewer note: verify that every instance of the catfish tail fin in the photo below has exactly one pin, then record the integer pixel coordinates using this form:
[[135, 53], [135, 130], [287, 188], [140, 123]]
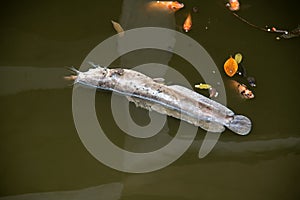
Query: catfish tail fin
[[240, 125]]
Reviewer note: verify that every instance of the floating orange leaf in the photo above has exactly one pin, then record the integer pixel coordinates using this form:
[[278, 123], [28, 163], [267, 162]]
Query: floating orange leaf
[[230, 67]]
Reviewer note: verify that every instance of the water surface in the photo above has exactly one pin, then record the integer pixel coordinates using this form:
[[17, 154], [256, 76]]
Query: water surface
[[41, 150]]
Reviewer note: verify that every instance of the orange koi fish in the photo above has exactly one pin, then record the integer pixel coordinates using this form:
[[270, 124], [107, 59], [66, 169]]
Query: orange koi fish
[[172, 6], [233, 5], [187, 25], [243, 90]]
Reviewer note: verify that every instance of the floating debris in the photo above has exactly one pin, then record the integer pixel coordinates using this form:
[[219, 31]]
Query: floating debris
[[251, 81], [238, 58], [187, 25], [203, 86], [275, 30], [286, 34], [230, 66], [234, 66], [293, 33], [213, 93]]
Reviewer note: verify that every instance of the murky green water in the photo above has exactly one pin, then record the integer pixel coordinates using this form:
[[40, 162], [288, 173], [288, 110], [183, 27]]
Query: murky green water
[[39, 145]]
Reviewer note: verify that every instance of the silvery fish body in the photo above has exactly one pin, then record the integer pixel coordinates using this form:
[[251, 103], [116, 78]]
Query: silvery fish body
[[173, 100]]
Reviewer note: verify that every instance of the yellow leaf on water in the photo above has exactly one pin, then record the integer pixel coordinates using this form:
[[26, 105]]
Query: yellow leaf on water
[[238, 58], [203, 86]]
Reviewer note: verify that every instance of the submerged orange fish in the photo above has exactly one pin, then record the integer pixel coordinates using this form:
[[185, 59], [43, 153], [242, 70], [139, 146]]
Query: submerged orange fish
[[233, 5], [169, 5], [187, 25], [243, 90], [230, 66]]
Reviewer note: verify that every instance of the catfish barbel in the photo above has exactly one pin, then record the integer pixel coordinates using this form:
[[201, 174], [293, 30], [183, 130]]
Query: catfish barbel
[[173, 100]]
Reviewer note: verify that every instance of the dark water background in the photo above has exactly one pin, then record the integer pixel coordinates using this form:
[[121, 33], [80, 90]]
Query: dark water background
[[40, 150]]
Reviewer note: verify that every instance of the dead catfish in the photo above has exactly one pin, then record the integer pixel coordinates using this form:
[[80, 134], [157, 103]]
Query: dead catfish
[[172, 100]]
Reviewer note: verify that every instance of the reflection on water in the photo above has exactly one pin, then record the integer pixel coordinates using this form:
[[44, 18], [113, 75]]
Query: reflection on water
[[39, 147], [32, 78], [136, 14], [110, 191]]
